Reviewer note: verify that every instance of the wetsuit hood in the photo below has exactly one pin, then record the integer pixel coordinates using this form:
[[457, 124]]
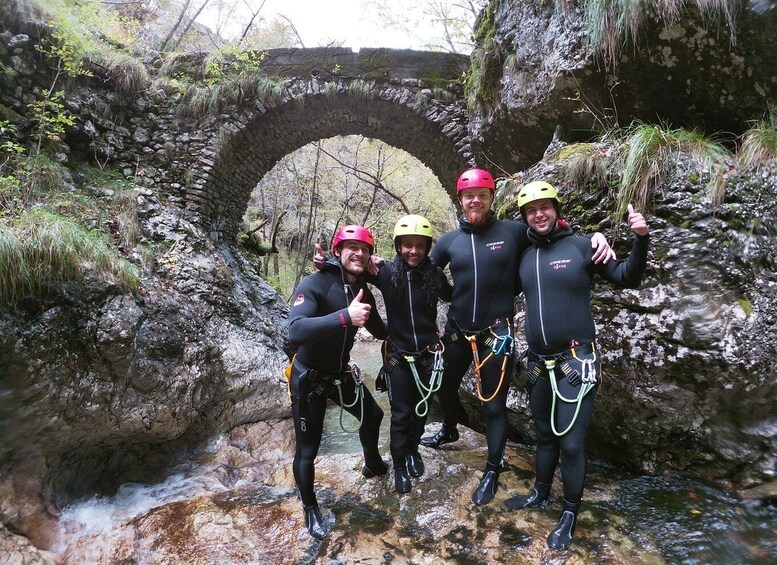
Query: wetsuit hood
[[471, 228], [561, 231]]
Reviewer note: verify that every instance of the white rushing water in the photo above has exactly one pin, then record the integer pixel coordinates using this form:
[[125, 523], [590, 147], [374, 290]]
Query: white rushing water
[[100, 514]]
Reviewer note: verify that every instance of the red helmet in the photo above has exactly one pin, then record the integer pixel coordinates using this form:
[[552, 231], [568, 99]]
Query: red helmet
[[359, 233], [475, 178]]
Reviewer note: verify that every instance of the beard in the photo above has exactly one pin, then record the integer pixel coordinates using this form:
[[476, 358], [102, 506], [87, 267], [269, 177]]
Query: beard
[[477, 217]]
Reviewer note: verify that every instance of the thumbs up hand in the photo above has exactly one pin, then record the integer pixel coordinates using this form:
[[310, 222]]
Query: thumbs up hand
[[637, 222], [358, 310], [319, 258]]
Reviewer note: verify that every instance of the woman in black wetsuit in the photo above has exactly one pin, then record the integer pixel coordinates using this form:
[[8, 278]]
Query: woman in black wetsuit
[[411, 285]]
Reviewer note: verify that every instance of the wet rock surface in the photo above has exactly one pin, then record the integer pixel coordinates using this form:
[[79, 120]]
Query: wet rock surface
[[256, 517]]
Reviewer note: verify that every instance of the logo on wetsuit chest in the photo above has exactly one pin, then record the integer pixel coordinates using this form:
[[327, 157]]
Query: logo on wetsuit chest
[[494, 245], [559, 264]]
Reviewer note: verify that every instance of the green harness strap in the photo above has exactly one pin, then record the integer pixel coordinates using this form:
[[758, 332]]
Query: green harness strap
[[356, 374], [588, 382], [435, 381]]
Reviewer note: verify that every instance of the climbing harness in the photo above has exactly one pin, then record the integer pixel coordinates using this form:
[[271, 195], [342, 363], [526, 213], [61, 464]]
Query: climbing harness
[[358, 377], [500, 345], [435, 378], [322, 382], [587, 381], [393, 359]]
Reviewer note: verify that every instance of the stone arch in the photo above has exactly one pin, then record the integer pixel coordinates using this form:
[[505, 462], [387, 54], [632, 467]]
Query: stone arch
[[434, 130]]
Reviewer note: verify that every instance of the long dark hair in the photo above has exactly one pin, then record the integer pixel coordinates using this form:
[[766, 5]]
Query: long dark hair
[[399, 272]]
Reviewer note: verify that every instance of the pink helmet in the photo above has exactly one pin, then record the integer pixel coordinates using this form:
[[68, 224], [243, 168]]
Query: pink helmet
[[359, 233], [475, 178]]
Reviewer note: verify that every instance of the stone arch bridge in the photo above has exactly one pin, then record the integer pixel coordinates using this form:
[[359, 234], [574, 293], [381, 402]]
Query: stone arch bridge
[[409, 99]]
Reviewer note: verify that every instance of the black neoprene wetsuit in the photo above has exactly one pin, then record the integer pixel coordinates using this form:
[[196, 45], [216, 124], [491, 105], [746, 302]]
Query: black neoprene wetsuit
[[410, 295], [483, 262], [556, 277], [320, 325]]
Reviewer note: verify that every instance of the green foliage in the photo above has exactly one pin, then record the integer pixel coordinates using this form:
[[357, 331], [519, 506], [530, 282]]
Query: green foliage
[[230, 77], [482, 86], [588, 165], [357, 87], [759, 144], [612, 23], [209, 100], [649, 151], [127, 73], [50, 117], [41, 252], [232, 63], [746, 305], [11, 161], [32, 178], [67, 51], [86, 37]]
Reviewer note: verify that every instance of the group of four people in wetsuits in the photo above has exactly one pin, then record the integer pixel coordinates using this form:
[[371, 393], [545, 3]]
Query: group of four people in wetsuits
[[490, 262]]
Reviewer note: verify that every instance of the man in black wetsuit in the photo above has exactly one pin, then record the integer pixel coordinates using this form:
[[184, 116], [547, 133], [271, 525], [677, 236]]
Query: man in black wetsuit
[[483, 256], [563, 369], [328, 309]]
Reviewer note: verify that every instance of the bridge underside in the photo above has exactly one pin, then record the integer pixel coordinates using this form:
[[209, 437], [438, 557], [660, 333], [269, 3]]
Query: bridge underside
[[240, 162]]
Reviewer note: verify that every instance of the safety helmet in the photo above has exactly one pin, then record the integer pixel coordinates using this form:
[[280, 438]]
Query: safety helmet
[[413, 225], [475, 178], [358, 233], [537, 190]]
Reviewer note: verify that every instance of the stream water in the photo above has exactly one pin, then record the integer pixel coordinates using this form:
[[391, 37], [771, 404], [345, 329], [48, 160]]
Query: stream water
[[684, 520]]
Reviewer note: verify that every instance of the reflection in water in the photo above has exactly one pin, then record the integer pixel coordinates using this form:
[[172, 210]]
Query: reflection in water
[[692, 523]]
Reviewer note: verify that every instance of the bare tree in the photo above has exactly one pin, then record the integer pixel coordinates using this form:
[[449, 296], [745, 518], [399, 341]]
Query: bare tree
[[176, 25], [374, 180], [189, 24], [304, 251], [254, 15]]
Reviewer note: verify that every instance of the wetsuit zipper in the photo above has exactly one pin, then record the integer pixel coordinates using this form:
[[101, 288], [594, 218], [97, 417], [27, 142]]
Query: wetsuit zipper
[[475, 267], [412, 315], [539, 294], [346, 286]]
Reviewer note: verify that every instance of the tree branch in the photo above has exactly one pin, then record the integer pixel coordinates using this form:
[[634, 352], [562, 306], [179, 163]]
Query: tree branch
[[370, 179]]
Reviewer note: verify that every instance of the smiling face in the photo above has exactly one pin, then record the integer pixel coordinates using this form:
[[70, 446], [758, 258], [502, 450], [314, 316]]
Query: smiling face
[[354, 256], [541, 215], [476, 204], [413, 249]]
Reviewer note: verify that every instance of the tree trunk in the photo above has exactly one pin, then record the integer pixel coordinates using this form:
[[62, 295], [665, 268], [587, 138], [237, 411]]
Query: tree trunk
[[175, 27]]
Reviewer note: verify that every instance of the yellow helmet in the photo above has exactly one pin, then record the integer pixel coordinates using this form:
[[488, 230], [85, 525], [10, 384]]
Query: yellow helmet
[[413, 225], [537, 190]]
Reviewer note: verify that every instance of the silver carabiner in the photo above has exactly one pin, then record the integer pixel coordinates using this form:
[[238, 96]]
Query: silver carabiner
[[356, 373]]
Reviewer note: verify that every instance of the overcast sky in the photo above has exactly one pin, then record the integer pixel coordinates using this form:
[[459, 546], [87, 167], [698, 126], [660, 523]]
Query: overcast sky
[[319, 22]]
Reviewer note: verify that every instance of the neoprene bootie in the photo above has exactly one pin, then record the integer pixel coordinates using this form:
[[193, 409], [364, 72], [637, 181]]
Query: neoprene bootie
[[537, 498], [561, 536], [402, 480], [489, 483], [374, 469], [415, 465], [443, 436], [314, 522]]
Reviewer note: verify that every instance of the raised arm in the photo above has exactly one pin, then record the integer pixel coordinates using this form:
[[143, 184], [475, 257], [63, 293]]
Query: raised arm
[[629, 273]]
